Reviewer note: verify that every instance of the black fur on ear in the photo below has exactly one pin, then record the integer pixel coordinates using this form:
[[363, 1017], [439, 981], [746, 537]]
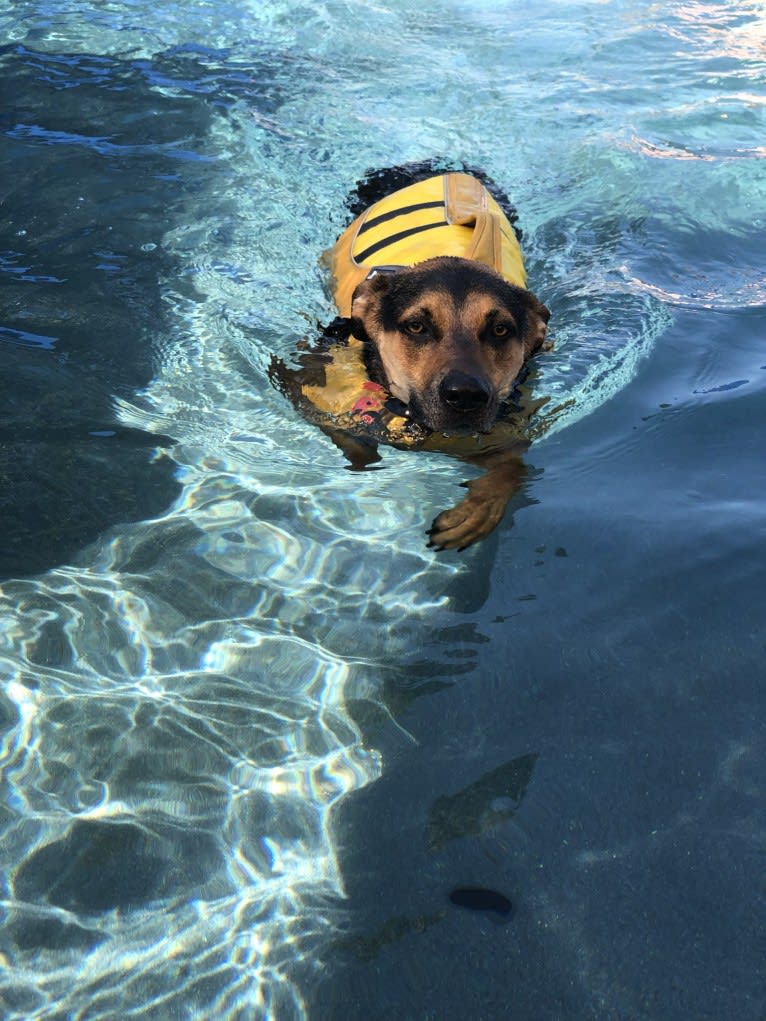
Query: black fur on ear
[[363, 297], [377, 283], [536, 325]]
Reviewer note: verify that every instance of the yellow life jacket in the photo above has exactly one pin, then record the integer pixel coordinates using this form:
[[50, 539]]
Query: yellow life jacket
[[451, 214]]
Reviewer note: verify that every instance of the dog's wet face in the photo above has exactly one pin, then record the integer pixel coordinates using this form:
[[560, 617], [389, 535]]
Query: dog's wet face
[[449, 337]]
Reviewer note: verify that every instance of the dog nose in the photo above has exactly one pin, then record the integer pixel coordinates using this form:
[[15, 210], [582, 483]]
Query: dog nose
[[463, 392]]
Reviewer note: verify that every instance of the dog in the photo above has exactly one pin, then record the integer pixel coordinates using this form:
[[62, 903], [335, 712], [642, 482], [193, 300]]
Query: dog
[[435, 328]]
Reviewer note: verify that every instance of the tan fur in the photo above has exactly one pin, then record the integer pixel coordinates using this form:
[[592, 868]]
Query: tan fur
[[485, 332], [412, 369]]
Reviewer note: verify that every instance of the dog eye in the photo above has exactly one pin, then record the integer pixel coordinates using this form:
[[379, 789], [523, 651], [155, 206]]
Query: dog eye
[[500, 330], [415, 327]]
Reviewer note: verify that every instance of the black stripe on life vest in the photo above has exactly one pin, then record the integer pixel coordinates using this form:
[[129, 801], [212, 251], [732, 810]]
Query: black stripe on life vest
[[396, 237], [403, 211]]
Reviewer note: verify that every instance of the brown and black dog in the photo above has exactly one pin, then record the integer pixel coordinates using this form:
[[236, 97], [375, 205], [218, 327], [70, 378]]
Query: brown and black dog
[[436, 327]]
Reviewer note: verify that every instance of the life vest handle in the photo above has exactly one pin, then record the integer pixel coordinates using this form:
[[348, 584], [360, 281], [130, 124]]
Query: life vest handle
[[466, 202]]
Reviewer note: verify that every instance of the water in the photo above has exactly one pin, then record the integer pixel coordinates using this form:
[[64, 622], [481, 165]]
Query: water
[[254, 734]]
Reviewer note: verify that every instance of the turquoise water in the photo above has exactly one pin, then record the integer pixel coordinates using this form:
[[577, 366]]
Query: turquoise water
[[254, 734]]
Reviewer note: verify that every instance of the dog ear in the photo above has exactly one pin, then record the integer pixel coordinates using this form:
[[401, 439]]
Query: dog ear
[[536, 325], [368, 291], [365, 303]]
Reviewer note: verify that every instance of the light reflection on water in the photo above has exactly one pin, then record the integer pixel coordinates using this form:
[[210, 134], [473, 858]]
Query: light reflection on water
[[179, 725], [175, 730], [224, 730]]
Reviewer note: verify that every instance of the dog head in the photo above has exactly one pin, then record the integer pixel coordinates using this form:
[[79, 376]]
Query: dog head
[[448, 337]]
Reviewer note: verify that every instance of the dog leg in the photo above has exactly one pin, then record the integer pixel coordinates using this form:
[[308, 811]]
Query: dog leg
[[482, 510]]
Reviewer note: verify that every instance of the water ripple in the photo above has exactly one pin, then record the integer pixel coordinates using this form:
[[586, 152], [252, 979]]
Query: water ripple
[[175, 738]]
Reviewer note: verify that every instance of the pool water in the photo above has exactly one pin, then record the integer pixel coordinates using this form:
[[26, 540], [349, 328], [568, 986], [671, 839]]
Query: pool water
[[263, 754]]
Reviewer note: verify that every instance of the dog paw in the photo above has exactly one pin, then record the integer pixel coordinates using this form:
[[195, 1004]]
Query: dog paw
[[471, 520]]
